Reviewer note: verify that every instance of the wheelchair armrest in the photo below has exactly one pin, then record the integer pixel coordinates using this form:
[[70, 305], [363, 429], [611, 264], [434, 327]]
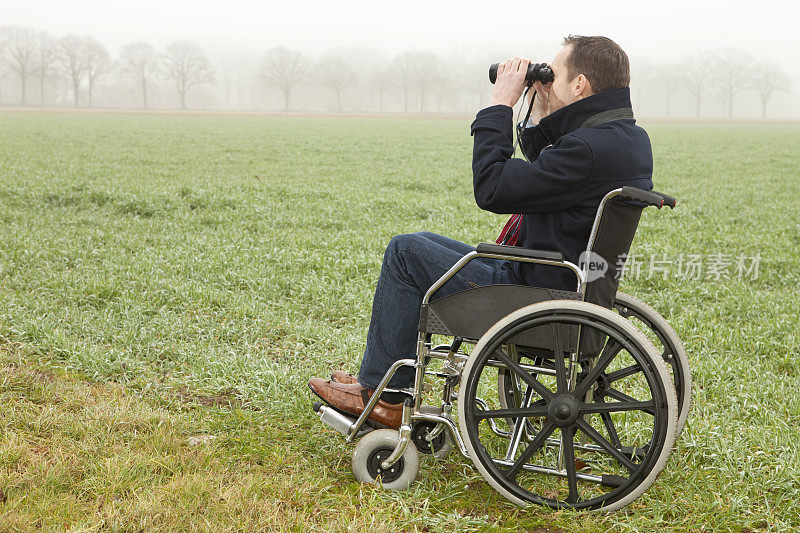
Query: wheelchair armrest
[[654, 198], [670, 201], [640, 195], [500, 249]]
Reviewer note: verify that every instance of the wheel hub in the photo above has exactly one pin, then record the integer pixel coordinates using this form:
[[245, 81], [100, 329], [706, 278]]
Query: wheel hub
[[420, 437], [563, 410], [374, 465]]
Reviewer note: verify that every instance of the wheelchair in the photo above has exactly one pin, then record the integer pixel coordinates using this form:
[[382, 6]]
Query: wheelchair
[[568, 399]]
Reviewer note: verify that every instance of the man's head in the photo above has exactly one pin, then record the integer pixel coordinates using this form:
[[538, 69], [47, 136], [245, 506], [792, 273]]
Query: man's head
[[585, 66]]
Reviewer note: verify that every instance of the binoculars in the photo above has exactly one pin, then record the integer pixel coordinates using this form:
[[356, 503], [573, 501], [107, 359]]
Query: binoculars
[[536, 72]]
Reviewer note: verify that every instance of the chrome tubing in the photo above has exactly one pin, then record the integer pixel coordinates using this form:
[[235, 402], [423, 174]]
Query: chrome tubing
[[405, 438], [449, 424], [377, 395], [579, 273]]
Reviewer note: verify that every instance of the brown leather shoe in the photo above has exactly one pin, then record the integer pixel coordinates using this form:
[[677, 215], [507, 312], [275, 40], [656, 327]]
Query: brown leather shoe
[[352, 397], [340, 376]]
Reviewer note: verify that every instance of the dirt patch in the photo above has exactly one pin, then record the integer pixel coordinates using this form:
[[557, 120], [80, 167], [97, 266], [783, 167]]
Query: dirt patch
[[27, 372], [228, 398], [42, 375]]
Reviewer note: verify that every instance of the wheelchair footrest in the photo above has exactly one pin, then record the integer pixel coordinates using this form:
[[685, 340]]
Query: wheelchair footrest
[[337, 420]]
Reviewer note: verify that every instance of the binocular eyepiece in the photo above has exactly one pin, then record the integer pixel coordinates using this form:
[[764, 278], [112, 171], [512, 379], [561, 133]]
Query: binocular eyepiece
[[536, 72]]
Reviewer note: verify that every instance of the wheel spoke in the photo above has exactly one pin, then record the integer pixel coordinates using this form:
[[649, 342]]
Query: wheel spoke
[[622, 397], [607, 446], [542, 390], [623, 373], [532, 448], [611, 349], [567, 437], [511, 413], [608, 422], [613, 407]]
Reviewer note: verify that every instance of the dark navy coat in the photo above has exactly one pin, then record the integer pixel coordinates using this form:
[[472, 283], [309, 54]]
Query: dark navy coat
[[573, 164]]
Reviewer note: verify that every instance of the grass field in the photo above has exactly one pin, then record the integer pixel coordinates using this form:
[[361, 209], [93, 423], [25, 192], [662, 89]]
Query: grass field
[[169, 277]]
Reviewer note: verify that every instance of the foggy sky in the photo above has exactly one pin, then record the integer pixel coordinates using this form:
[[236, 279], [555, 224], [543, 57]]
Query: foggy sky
[[660, 30]]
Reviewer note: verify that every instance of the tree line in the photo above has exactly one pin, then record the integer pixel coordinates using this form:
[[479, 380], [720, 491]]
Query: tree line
[[39, 68]]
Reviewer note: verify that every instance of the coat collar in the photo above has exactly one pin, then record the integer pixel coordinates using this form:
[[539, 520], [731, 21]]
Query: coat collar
[[573, 116]]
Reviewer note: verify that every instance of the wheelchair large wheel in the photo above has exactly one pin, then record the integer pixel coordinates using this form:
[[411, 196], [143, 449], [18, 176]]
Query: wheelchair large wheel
[[657, 330], [590, 431], [668, 343]]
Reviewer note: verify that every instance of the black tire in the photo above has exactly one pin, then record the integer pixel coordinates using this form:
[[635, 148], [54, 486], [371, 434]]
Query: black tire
[[604, 471], [670, 345]]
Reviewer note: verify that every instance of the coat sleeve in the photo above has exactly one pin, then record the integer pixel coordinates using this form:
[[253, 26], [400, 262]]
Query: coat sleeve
[[503, 184]]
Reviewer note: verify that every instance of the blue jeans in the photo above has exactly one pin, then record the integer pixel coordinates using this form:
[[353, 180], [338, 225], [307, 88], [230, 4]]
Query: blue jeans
[[411, 264]]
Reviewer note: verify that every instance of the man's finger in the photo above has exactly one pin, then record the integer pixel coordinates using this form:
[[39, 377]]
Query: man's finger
[[523, 66], [504, 66]]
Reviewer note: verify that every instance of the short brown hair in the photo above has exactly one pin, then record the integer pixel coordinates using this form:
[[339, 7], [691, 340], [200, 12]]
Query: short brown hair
[[600, 59]]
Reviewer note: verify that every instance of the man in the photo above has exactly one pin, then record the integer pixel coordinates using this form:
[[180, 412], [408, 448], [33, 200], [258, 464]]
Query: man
[[584, 144]]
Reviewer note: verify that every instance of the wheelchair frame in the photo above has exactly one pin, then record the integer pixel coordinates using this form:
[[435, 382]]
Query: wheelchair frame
[[413, 410]]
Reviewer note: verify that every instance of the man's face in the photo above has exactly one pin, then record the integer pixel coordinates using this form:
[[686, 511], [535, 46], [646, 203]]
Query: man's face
[[562, 92]]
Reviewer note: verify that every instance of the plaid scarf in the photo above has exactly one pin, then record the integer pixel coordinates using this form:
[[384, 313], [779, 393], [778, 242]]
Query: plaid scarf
[[510, 234]]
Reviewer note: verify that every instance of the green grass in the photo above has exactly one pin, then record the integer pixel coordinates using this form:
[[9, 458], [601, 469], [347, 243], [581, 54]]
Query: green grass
[[219, 262]]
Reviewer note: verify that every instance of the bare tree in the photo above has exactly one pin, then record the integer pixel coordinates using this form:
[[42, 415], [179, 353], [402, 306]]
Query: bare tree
[[695, 72], [21, 44], [3, 59], [98, 62], [427, 73], [732, 66], [337, 74], [366, 62], [139, 62], [448, 85], [73, 60], [766, 79], [403, 67], [476, 80], [284, 68], [667, 78], [46, 59], [643, 80], [381, 82], [416, 70], [187, 66]]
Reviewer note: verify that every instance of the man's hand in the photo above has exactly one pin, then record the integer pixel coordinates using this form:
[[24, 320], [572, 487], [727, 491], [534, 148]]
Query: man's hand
[[541, 107], [510, 82]]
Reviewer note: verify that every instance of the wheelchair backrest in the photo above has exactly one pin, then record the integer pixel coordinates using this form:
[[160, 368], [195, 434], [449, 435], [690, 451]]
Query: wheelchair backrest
[[608, 250]]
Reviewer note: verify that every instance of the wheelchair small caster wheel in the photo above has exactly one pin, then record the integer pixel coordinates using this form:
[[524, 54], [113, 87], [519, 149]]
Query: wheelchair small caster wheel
[[376, 447], [439, 447]]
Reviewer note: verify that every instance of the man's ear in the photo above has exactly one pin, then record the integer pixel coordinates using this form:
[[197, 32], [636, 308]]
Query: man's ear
[[581, 87]]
